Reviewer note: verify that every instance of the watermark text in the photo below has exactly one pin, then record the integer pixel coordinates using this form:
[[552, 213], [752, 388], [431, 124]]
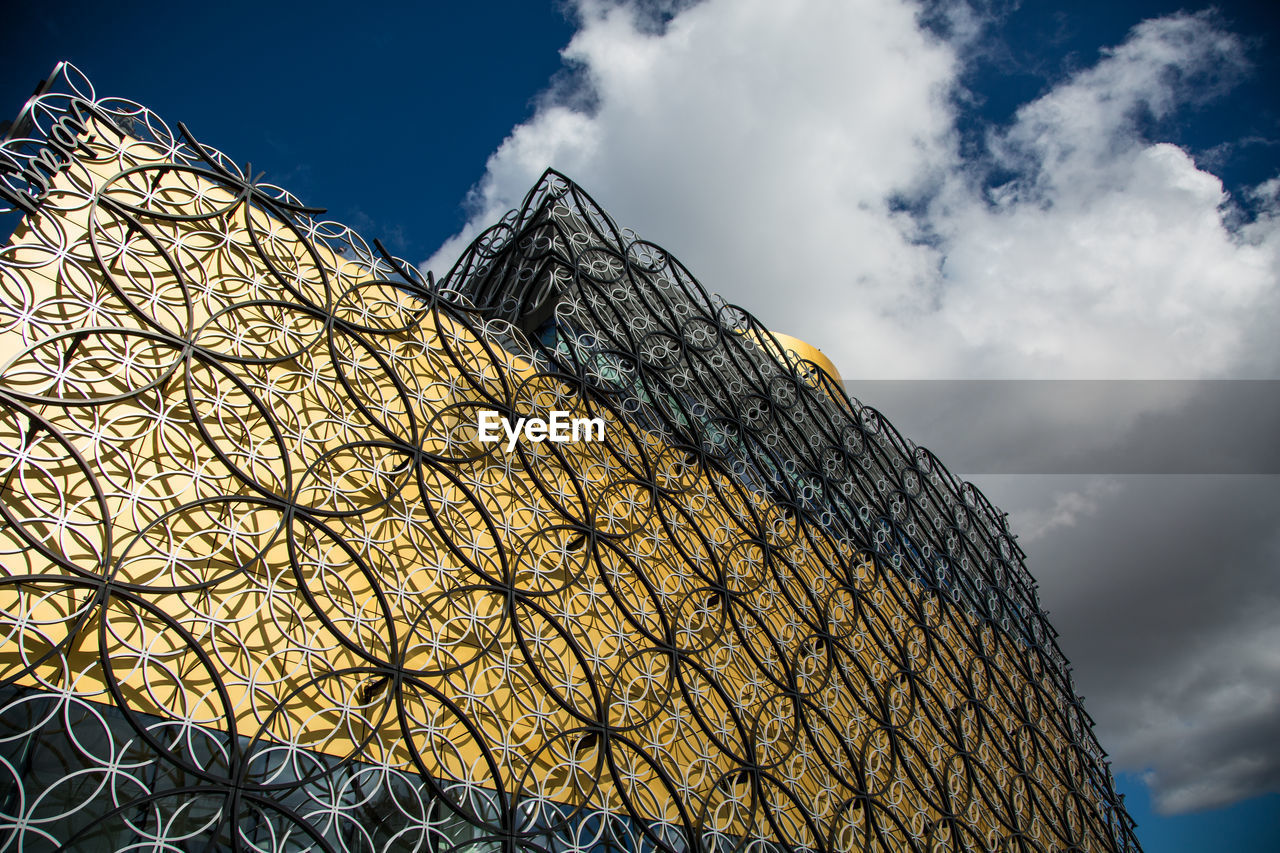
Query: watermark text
[[558, 427]]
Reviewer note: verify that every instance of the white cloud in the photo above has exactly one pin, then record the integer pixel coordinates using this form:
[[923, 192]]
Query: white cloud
[[1213, 721], [765, 144], [761, 143], [1109, 255], [1164, 590], [1068, 509]]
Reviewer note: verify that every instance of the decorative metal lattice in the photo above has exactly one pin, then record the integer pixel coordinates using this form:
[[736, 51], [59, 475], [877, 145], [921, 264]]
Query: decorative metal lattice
[[264, 589]]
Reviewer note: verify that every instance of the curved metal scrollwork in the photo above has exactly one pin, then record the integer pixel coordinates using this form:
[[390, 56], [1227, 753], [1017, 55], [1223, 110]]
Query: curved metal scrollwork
[[264, 589]]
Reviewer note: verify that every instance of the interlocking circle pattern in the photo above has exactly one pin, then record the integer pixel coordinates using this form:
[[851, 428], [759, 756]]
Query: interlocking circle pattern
[[263, 589]]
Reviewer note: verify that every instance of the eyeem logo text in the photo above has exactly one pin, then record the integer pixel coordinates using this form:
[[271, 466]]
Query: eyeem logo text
[[560, 427]]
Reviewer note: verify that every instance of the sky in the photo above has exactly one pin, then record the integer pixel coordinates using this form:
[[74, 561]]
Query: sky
[[927, 191]]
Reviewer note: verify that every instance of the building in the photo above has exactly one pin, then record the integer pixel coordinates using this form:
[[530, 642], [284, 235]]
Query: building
[[265, 588]]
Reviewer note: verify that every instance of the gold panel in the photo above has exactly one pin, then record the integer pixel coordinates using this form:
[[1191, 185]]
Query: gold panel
[[251, 534]]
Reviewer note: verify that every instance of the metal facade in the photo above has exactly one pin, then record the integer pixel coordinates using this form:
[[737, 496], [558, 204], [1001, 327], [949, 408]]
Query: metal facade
[[263, 589]]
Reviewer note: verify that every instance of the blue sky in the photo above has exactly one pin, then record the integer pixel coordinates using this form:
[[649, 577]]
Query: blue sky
[[327, 100], [1038, 44], [385, 119], [996, 190]]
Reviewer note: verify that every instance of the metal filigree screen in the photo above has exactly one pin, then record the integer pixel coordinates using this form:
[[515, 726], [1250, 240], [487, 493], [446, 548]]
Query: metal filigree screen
[[264, 589]]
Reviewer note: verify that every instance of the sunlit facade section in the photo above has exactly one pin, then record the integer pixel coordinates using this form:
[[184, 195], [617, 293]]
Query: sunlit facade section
[[264, 587]]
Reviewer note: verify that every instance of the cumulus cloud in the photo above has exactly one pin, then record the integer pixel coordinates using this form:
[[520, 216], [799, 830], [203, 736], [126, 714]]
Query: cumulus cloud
[[1110, 255], [803, 160], [1068, 508], [763, 143], [1164, 591], [772, 149]]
